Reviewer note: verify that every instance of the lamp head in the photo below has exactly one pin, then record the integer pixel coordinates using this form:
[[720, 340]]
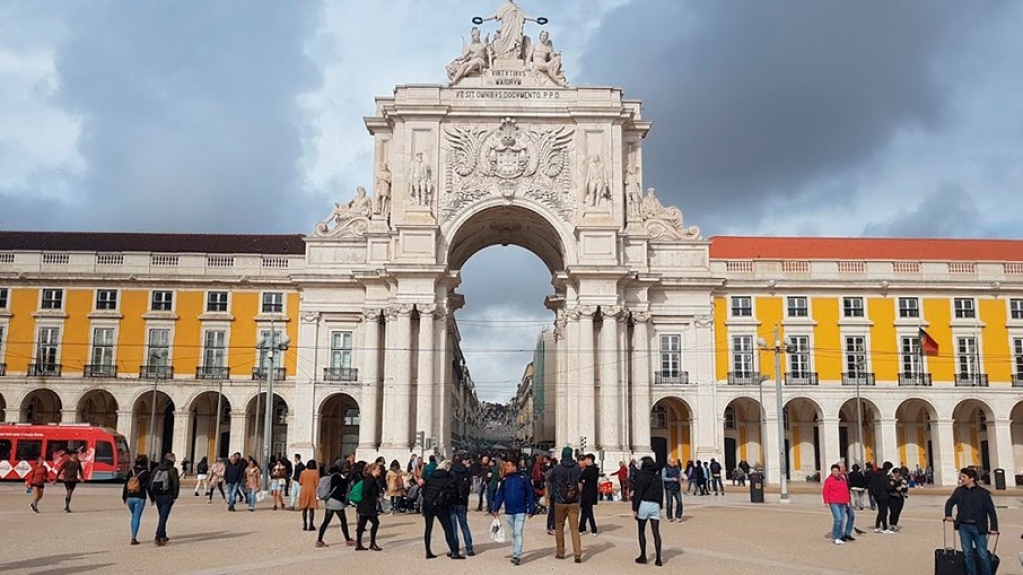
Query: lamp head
[[761, 342], [285, 341]]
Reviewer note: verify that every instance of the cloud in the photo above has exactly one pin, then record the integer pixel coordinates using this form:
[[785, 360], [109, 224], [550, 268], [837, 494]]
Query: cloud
[[949, 212]]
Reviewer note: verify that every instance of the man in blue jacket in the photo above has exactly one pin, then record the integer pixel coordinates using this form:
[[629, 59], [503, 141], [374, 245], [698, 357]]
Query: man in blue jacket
[[515, 493]]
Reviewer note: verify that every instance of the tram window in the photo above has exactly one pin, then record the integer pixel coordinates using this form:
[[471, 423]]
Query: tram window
[[56, 448], [104, 452], [29, 450], [5, 449]]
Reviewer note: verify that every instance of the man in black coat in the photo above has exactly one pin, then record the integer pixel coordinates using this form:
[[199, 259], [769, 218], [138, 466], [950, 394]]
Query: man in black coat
[[458, 510], [588, 495], [439, 493], [234, 477]]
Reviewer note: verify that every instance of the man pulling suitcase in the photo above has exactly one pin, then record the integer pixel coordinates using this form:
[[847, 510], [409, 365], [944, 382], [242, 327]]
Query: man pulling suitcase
[[975, 519]]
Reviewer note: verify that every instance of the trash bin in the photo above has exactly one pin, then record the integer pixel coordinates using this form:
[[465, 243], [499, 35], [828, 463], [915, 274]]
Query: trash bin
[[756, 487], [1000, 479]]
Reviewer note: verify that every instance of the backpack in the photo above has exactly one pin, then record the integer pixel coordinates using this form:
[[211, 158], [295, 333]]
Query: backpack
[[134, 484], [323, 489], [569, 490], [355, 494], [160, 482]]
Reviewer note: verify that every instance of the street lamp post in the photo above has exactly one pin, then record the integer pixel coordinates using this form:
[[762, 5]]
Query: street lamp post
[[778, 349], [271, 345]]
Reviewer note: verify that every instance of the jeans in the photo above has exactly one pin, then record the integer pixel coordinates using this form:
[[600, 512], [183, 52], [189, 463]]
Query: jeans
[[459, 521], [975, 542], [850, 519], [136, 505], [838, 517], [716, 483], [232, 494], [250, 497], [857, 493], [566, 512], [516, 524], [293, 497], [673, 497], [491, 495], [163, 507]]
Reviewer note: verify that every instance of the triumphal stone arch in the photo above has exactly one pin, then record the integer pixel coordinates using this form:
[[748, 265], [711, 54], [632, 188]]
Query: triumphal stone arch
[[508, 152]]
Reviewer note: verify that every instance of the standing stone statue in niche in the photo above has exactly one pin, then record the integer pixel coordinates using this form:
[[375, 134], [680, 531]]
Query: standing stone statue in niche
[[475, 58], [349, 219], [634, 192], [598, 191], [548, 62], [420, 182], [383, 192]]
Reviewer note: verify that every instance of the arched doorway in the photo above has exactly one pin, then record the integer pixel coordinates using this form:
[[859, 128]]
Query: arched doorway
[[339, 427], [255, 419], [856, 432], [743, 433], [969, 433], [41, 407], [913, 433], [98, 407], [154, 417], [209, 435], [802, 437], [671, 430]]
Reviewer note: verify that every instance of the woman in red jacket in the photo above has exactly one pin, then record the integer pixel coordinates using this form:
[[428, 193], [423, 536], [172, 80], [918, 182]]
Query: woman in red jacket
[[36, 481], [836, 498]]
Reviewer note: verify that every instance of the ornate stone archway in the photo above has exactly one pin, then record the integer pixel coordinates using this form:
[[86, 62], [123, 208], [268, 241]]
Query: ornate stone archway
[[506, 154]]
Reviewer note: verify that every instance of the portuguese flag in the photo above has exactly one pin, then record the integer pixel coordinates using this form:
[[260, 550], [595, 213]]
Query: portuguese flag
[[927, 344]]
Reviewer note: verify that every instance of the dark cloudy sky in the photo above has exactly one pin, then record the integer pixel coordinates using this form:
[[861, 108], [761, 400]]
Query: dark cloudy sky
[[798, 117]]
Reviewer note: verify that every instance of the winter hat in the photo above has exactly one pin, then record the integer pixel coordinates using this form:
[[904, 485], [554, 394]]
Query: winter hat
[[567, 453]]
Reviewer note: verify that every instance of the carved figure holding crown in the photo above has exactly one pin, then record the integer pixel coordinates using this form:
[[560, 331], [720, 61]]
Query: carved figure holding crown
[[598, 191], [349, 219], [420, 182], [475, 59], [547, 62]]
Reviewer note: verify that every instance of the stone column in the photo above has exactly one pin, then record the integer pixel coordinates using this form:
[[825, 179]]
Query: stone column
[[943, 449], [610, 426], [236, 439], [769, 450], [12, 414], [641, 384], [126, 425], [888, 448], [179, 437], [397, 379], [369, 375], [425, 384], [586, 404], [443, 381], [69, 415], [1001, 431], [568, 415], [829, 444]]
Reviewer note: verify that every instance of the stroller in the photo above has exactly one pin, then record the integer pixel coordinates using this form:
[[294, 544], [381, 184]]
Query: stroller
[[538, 494], [410, 503]]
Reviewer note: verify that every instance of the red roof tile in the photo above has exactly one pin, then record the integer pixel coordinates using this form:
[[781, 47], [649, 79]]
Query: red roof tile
[[913, 249], [160, 243]]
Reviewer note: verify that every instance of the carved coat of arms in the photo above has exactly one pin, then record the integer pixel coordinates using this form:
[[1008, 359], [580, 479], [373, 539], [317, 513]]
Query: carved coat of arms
[[507, 161]]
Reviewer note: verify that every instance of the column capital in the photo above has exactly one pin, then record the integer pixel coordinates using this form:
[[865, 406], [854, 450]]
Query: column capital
[[578, 312], [395, 311], [430, 310], [610, 311], [640, 317], [371, 314], [310, 317]]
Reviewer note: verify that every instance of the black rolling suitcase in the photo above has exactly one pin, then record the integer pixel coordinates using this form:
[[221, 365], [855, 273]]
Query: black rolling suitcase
[[951, 561]]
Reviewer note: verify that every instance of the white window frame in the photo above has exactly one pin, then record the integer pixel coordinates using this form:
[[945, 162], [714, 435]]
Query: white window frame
[[968, 355], [964, 308], [105, 348], [50, 342], [740, 351], [278, 356], [855, 355], [730, 417], [854, 311], [3, 332], [266, 299], [106, 303], [792, 305], [733, 308], [56, 296], [909, 311], [1017, 354], [659, 417], [162, 298], [341, 355], [214, 355], [670, 354], [211, 296], [153, 346], [911, 357], [1015, 308], [801, 355], [5, 298]]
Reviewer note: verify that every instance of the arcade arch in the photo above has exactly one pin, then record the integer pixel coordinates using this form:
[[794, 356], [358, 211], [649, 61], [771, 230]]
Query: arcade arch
[[970, 434], [254, 420], [803, 418], [1016, 435], [671, 433], [154, 424], [744, 426], [858, 444], [98, 407], [41, 407], [209, 435], [913, 433], [339, 427]]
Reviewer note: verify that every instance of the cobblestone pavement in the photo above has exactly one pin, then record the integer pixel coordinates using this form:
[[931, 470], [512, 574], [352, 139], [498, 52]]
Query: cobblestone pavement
[[719, 535]]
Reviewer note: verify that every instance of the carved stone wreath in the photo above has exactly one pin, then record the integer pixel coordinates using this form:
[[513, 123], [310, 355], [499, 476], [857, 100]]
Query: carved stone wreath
[[507, 161]]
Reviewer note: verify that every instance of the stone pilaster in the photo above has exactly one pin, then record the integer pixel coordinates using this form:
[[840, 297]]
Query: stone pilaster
[[397, 380], [369, 374], [641, 384], [587, 405], [1001, 431], [943, 449], [425, 385], [610, 439]]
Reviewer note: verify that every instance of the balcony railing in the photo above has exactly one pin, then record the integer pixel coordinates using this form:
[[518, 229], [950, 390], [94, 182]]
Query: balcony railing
[[971, 380], [99, 370], [744, 378], [44, 369], [801, 378], [923, 379], [671, 378], [1017, 379], [156, 372], [3, 369], [259, 373], [340, 374], [858, 379], [212, 372]]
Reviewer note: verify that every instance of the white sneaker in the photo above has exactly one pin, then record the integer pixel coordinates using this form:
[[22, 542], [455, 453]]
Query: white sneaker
[[877, 530], [888, 532], [839, 542]]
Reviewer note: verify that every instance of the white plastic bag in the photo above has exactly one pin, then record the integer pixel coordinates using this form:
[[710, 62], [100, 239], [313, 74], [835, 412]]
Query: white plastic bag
[[497, 531], [260, 495]]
